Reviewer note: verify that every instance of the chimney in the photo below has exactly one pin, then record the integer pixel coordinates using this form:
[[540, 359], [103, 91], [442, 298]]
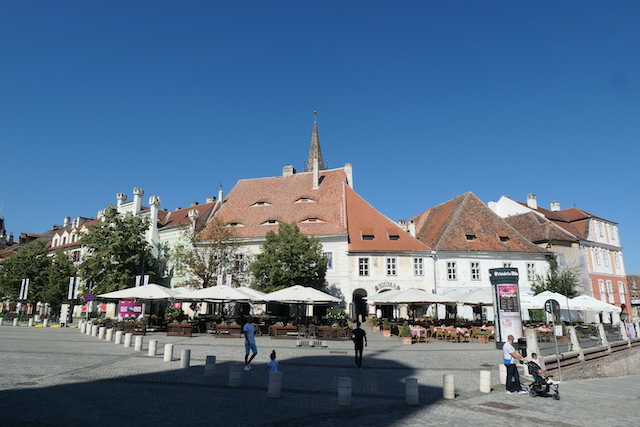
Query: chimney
[[193, 204], [137, 200], [10, 237], [288, 171], [193, 215], [348, 169], [316, 173], [154, 204], [210, 199], [67, 220], [555, 206], [121, 197], [531, 201], [220, 194]]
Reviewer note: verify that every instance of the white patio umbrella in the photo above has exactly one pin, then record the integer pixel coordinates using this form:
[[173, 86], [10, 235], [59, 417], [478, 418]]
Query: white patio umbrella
[[477, 297], [417, 296], [253, 294], [217, 293], [587, 303], [151, 291], [385, 295], [453, 295], [300, 294]]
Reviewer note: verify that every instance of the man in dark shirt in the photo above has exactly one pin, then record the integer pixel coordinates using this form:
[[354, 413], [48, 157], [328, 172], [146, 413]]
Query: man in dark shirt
[[359, 337]]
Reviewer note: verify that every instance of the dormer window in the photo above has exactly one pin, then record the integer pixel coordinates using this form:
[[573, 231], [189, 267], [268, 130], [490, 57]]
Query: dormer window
[[270, 222], [235, 224], [367, 234], [261, 204], [470, 237], [394, 237], [504, 239], [367, 237], [311, 221], [304, 200]]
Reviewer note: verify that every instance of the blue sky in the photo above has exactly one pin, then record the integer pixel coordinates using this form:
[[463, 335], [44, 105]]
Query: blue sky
[[426, 99]]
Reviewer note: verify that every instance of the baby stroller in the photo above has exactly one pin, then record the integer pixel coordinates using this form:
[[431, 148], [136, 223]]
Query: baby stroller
[[542, 385]]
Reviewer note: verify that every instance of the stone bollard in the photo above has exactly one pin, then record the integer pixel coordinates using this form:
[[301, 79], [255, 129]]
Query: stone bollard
[[485, 381], [138, 345], [275, 384], [128, 337], [502, 370], [153, 348], [31, 322], [101, 331], [89, 328], [168, 352], [210, 366], [118, 339], [94, 330], [235, 375], [109, 334], [448, 389], [185, 358], [82, 326], [15, 322], [344, 391], [45, 323], [411, 391], [1, 321]]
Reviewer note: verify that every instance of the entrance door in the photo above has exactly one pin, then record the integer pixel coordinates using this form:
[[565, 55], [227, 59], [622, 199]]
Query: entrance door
[[359, 306]]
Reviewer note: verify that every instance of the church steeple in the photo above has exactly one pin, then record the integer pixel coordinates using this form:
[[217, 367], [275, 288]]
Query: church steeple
[[314, 150]]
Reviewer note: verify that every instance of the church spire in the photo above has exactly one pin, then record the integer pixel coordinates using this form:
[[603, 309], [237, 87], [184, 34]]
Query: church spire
[[314, 150]]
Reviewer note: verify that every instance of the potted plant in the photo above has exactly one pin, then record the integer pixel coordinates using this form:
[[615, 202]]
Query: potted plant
[[482, 336], [386, 328], [405, 334], [375, 325], [172, 313]]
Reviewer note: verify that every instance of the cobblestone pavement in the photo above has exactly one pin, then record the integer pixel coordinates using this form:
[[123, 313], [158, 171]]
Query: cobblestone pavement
[[61, 377]]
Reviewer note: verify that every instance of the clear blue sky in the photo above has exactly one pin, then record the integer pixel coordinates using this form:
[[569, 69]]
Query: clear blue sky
[[426, 99]]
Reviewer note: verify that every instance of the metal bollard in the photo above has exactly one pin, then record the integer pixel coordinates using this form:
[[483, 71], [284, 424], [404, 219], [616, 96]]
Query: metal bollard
[[153, 347], [411, 391], [344, 391], [138, 345], [101, 330], [210, 366], [502, 369], [448, 389], [485, 381], [109, 334], [185, 358], [118, 339], [168, 352], [15, 322], [235, 375], [128, 337], [31, 322], [275, 384]]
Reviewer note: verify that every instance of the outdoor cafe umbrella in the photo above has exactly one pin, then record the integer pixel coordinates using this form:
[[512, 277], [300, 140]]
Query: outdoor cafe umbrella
[[416, 296], [377, 298], [477, 297], [151, 291], [216, 293], [587, 303], [300, 294]]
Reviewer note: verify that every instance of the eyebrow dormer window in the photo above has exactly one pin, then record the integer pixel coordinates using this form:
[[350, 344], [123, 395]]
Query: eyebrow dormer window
[[394, 237], [470, 237], [270, 222], [261, 204], [304, 200], [504, 239], [311, 221], [235, 224]]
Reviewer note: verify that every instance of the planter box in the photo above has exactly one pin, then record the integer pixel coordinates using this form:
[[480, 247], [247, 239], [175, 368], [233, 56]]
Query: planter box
[[407, 340], [386, 332], [376, 328], [228, 331], [179, 330]]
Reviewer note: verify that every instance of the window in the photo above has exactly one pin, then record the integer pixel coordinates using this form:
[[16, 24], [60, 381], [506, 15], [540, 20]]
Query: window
[[614, 235], [598, 262], [391, 266], [451, 271], [470, 237], [311, 220], [504, 239], [606, 261], [475, 271], [367, 237], [363, 268], [622, 290], [394, 237], [270, 222], [600, 229], [610, 291], [616, 260], [304, 200], [329, 257], [261, 204], [418, 266], [55, 242], [531, 271], [603, 290], [64, 240], [506, 265]]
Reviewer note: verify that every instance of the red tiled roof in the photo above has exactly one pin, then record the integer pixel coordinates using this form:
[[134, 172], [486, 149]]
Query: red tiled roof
[[538, 229], [181, 216], [466, 224]]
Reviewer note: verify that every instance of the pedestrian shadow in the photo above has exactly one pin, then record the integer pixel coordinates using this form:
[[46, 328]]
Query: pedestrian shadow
[[309, 396]]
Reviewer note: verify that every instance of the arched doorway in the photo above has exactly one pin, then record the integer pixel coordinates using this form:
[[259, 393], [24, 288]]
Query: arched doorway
[[359, 306]]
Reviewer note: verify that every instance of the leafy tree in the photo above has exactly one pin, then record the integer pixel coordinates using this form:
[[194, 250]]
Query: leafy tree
[[563, 280], [212, 249], [30, 262], [117, 252], [57, 279], [289, 258]]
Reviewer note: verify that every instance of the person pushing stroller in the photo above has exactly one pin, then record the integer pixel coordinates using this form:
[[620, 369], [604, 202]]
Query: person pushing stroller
[[542, 383]]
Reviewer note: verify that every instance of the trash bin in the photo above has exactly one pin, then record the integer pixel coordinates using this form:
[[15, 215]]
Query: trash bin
[[522, 346]]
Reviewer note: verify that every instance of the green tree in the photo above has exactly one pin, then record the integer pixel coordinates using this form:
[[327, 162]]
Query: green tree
[[562, 280], [60, 270], [289, 258], [30, 262], [212, 249], [117, 252]]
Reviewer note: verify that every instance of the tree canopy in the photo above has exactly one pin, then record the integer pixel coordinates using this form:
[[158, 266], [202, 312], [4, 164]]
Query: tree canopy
[[117, 251], [562, 280], [212, 249], [30, 262], [289, 258]]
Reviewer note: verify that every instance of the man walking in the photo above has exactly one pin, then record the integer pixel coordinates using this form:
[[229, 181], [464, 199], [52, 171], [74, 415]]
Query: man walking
[[359, 337], [249, 343], [510, 354]]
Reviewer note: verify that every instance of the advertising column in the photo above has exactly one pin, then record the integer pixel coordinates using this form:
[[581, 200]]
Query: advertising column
[[505, 287]]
